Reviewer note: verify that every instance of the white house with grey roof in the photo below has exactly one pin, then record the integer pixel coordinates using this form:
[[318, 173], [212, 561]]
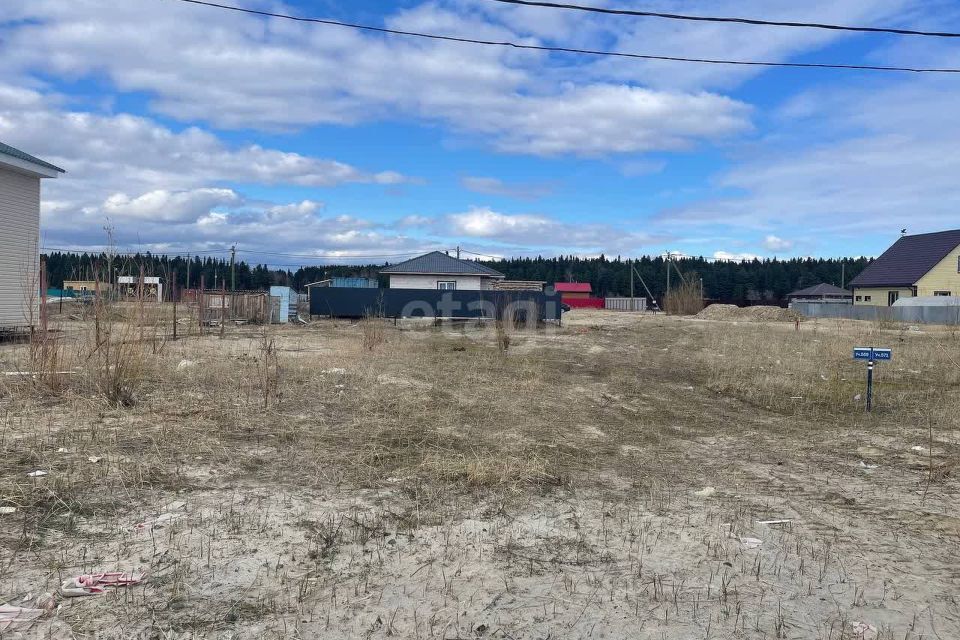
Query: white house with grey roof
[[20, 176], [437, 270]]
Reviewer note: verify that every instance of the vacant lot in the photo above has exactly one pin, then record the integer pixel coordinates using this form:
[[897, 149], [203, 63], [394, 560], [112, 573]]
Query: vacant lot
[[609, 479]]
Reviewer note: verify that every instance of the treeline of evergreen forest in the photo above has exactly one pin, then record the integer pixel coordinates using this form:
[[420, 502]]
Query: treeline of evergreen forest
[[749, 282]]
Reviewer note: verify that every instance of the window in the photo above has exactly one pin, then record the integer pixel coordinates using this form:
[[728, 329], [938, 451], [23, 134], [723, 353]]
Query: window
[[941, 293], [867, 298], [446, 285], [892, 296], [859, 298]]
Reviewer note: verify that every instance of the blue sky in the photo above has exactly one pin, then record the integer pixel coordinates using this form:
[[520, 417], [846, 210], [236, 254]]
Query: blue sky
[[185, 128]]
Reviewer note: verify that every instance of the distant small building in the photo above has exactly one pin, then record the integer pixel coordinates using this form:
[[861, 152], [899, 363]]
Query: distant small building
[[519, 285], [130, 287], [85, 287], [283, 302], [437, 270], [926, 264], [821, 293], [352, 283], [573, 290]]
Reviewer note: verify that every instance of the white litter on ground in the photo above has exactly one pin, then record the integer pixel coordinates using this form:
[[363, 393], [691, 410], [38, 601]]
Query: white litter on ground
[[39, 473], [706, 492], [751, 543]]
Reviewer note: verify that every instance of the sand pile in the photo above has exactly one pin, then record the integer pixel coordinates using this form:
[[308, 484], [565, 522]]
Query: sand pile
[[758, 313]]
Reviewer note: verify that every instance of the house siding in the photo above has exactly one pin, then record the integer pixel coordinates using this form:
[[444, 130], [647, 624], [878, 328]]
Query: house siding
[[464, 283], [943, 277], [878, 295], [19, 248]]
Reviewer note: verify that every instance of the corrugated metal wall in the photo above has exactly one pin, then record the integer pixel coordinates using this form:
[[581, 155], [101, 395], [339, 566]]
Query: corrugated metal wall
[[429, 303]]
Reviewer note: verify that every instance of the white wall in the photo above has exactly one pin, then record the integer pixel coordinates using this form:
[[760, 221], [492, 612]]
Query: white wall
[[464, 283], [19, 247]]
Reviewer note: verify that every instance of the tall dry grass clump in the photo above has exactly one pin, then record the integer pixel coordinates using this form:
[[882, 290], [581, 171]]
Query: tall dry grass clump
[[686, 299], [114, 354]]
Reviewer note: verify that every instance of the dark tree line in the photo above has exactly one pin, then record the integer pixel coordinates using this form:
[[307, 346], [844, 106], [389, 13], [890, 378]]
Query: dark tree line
[[749, 282]]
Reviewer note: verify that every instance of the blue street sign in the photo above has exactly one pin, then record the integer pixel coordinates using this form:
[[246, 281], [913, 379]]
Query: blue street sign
[[872, 353]]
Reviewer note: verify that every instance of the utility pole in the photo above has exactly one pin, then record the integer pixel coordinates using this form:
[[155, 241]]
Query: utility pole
[[666, 297], [189, 260], [843, 269], [233, 271], [458, 252], [633, 307]]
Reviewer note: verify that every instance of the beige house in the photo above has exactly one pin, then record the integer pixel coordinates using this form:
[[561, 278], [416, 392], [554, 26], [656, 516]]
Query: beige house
[[20, 175], [437, 270], [926, 264]]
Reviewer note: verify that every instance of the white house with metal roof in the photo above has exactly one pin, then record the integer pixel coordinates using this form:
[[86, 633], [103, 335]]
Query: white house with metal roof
[[20, 176], [437, 270]]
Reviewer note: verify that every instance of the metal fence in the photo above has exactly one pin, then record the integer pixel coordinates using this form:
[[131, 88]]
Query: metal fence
[[625, 304], [430, 303], [925, 315]]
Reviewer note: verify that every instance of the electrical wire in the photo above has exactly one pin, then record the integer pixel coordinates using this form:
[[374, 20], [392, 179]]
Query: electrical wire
[[750, 21], [591, 52]]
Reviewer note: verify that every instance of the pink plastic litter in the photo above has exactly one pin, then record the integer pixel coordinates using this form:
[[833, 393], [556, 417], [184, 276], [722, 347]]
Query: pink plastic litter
[[94, 584]]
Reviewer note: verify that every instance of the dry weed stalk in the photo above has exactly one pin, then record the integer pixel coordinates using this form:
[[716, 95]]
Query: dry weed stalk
[[372, 330], [268, 368]]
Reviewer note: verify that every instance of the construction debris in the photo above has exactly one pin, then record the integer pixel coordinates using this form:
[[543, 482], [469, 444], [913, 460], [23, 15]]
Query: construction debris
[[10, 616]]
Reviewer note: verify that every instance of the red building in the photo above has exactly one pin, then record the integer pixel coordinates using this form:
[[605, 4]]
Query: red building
[[576, 290], [577, 294]]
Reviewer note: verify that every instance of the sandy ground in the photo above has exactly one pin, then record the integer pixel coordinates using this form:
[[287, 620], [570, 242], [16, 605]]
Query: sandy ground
[[619, 490]]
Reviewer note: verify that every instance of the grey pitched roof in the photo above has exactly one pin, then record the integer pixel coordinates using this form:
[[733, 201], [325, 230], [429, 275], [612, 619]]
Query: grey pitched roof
[[23, 155], [908, 260], [437, 262], [821, 289]]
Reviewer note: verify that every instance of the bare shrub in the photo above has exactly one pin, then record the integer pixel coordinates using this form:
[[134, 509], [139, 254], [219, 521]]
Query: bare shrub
[[115, 353], [686, 299], [372, 333]]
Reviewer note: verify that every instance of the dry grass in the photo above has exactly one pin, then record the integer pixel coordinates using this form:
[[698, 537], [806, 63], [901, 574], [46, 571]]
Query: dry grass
[[438, 489], [686, 298]]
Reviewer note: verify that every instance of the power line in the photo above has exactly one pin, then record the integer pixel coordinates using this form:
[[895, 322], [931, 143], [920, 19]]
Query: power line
[[750, 21], [591, 52]]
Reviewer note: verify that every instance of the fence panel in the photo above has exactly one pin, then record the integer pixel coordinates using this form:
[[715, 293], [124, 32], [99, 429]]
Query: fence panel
[[927, 315], [625, 304], [430, 303]]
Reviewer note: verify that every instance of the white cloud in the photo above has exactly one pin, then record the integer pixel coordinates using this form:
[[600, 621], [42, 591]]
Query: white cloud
[[497, 187], [540, 232], [773, 243], [733, 257], [244, 72], [485, 223], [890, 162], [168, 206]]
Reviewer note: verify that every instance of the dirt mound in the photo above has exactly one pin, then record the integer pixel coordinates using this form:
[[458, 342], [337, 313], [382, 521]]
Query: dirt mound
[[758, 313]]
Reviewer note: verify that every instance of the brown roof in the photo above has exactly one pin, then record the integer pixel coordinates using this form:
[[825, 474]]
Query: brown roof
[[908, 260]]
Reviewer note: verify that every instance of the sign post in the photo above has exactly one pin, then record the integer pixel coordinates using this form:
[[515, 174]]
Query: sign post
[[871, 354]]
